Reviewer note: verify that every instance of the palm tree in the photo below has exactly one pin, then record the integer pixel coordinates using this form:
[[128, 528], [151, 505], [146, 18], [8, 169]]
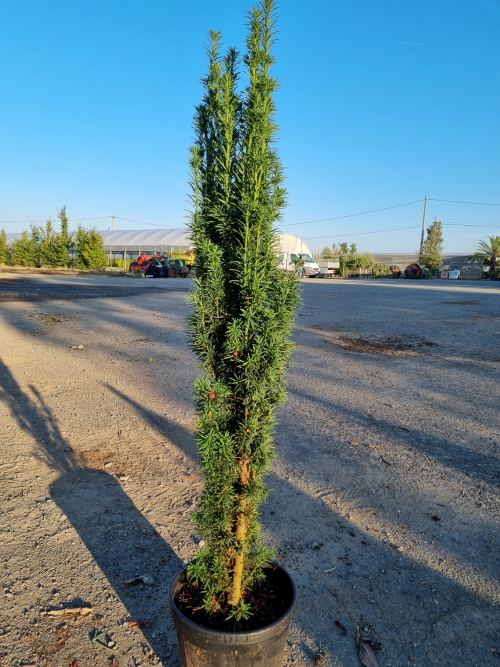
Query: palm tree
[[488, 253]]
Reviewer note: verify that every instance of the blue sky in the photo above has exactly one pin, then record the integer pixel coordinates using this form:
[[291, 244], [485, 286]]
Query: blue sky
[[381, 103]]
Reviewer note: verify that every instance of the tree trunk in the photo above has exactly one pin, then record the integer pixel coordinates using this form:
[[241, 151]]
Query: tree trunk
[[241, 533]]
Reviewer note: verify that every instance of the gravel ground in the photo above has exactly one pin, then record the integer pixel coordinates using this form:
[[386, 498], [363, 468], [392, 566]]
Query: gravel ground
[[386, 490]]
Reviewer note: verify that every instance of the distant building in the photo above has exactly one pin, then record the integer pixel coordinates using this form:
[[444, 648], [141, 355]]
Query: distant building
[[132, 243]]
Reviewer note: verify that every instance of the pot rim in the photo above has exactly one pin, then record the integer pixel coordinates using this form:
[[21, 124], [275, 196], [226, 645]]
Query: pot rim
[[290, 612]]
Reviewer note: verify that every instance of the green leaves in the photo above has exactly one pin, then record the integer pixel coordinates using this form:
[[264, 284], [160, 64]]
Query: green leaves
[[89, 245], [241, 611], [431, 253], [4, 247], [244, 307], [44, 246], [488, 252]]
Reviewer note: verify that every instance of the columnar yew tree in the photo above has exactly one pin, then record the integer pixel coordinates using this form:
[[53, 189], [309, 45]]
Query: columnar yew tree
[[48, 245], [244, 309], [431, 253], [63, 239], [4, 247]]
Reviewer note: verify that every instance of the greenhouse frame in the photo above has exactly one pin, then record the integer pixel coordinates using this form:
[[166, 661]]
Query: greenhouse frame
[[129, 244]]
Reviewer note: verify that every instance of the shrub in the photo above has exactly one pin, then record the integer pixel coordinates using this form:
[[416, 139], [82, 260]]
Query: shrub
[[244, 309], [381, 271]]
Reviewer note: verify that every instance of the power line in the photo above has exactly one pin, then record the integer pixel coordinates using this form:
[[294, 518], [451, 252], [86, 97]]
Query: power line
[[376, 231], [144, 223], [351, 215], [290, 224], [23, 222], [395, 229], [453, 201], [101, 217], [471, 224], [386, 208]]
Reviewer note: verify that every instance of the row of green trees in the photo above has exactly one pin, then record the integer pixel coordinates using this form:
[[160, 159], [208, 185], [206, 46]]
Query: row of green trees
[[44, 246], [430, 255]]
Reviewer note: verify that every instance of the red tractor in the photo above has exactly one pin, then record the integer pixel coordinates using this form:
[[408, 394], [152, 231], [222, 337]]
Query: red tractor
[[159, 266], [142, 262]]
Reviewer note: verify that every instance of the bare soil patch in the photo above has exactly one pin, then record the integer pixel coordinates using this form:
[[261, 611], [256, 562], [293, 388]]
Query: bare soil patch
[[49, 318], [384, 344], [30, 271], [469, 302], [27, 290]]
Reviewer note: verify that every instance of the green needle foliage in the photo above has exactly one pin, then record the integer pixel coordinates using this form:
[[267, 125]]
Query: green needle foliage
[[348, 258], [431, 252], [49, 246], [4, 247], [25, 250], [90, 252], [244, 310], [44, 246], [63, 239]]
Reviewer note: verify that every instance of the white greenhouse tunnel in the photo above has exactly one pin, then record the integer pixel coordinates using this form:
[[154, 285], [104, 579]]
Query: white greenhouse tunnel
[[128, 244]]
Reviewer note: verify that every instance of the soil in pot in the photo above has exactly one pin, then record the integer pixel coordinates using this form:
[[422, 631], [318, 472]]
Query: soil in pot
[[270, 600]]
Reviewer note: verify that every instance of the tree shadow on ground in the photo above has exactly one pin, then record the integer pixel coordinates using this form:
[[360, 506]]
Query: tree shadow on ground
[[120, 539], [471, 462], [363, 585], [362, 582]]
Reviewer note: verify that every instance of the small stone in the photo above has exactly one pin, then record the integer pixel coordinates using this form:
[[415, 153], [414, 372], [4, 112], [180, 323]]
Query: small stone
[[148, 580], [315, 545], [320, 658], [108, 464], [201, 544]]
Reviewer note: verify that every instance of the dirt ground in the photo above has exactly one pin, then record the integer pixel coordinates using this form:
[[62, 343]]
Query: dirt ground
[[385, 506]]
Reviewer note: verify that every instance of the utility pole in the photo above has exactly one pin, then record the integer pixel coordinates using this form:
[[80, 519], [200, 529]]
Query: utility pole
[[113, 223], [423, 223]]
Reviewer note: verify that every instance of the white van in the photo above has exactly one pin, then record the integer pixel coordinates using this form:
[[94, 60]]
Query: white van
[[288, 260]]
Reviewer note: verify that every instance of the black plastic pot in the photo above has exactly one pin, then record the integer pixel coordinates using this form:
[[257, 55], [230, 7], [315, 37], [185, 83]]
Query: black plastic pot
[[203, 647]]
